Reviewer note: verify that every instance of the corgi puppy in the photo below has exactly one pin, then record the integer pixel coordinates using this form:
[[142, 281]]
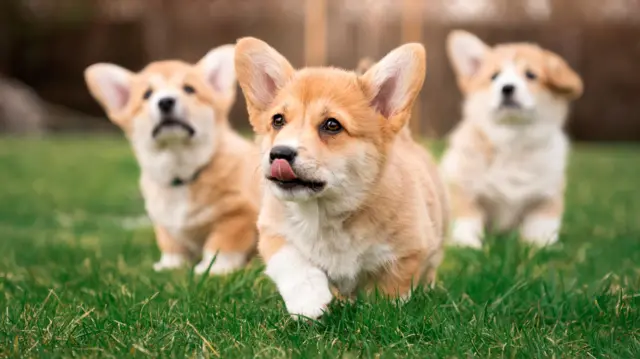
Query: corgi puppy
[[505, 165], [198, 177], [349, 201]]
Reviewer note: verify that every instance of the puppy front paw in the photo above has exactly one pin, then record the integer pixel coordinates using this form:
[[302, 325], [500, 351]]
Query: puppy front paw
[[540, 231], [225, 263], [307, 298], [303, 286], [170, 261], [467, 232]]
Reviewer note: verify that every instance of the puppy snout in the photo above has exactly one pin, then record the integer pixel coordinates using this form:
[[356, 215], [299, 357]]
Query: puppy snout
[[166, 105], [508, 90], [283, 152]]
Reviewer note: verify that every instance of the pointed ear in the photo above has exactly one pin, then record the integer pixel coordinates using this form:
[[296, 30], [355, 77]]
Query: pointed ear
[[217, 67], [561, 77], [110, 85], [261, 71], [466, 53], [395, 82]]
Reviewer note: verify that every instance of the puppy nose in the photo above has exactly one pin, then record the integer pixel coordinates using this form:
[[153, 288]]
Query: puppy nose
[[283, 152], [166, 104], [508, 90]]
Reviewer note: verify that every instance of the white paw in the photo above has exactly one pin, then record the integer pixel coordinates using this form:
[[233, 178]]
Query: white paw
[[307, 295], [467, 232], [170, 261], [540, 231], [225, 263], [303, 287]]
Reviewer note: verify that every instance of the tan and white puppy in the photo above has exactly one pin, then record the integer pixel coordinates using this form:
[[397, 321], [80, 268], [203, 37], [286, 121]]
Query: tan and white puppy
[[350, 201], [505, 165], [199, 178]]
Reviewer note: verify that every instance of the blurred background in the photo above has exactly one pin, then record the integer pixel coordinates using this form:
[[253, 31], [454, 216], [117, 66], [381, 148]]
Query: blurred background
[[46, 44]]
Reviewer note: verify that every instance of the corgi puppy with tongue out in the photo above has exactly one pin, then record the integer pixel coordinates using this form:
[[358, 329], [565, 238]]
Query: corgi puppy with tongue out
[[198, 177], [350, 200]]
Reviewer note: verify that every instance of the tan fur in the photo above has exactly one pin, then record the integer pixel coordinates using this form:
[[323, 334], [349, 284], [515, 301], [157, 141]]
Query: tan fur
[[401, 202], [502, 173], [464, 204], [169, 245], [232, 183], [270, 245], [223, 201]]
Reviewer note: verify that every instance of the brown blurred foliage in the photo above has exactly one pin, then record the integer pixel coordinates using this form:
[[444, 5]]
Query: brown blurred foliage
[[46, 44]]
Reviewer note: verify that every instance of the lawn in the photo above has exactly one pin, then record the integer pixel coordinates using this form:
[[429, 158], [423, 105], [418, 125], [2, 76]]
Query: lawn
[[76, 278]]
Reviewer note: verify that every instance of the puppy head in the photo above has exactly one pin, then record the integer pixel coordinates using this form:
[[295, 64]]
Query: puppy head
[[168, 101], [325, 131], [511, 81]]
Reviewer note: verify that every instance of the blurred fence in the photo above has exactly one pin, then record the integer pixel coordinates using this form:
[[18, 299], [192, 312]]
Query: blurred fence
[[47, 44]]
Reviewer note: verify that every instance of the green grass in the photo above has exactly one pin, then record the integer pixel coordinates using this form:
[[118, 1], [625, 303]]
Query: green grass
[[76, 279]]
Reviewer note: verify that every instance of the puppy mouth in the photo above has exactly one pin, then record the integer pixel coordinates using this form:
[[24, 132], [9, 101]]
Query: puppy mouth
[[510, 104], [297, 184], [172, 122], [283, 176]]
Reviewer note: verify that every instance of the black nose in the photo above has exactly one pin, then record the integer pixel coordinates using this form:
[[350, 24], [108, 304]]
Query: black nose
[[508, 90], [283, 153], [166, 104]]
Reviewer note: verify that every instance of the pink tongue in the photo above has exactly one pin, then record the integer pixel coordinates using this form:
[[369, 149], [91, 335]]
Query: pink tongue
[[281, 170]]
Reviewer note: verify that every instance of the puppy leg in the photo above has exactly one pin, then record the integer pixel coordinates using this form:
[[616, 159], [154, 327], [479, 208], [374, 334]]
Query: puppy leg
[[398, 280], [468, 223], [541, 225], [230, 243], [175, 254], [431, 271], [303, 286]]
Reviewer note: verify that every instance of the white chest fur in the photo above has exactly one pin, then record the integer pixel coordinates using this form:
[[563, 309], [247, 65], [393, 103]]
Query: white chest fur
[[343, 253], [173, 207], [525, 166]]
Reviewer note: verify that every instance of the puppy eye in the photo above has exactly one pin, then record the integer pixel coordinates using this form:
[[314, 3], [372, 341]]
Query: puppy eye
[[495, 75], [331, 125], [188, 89], [147, 94], [277, 121], [530, 75]]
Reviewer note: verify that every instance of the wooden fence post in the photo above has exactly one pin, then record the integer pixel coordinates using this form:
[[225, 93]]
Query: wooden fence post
[[156, 23], [315, 32], [372, 26], [412, 32]]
